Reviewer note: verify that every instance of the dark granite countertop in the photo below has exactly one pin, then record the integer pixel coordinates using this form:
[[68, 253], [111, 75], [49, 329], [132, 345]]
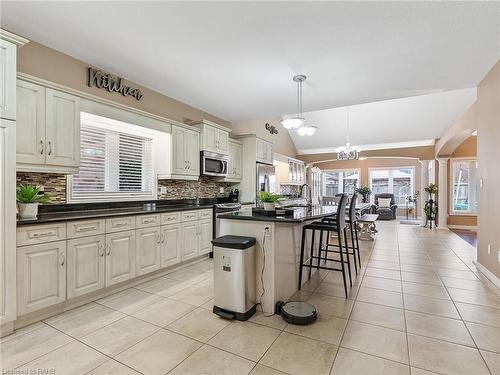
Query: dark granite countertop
[[300, 215], [66, 212]]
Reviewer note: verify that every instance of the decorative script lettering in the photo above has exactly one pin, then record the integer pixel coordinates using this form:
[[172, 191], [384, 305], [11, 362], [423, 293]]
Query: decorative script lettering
[[106, 81]]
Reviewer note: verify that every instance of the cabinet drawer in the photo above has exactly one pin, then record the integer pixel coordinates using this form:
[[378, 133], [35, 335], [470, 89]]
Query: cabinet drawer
[[170, 218], [205, 214], [189, 215], [143, 221], [36, 234], [77, 229], [119, 224]]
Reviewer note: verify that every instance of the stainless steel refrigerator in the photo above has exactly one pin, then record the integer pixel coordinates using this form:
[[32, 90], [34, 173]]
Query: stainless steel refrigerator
[[266, 179]]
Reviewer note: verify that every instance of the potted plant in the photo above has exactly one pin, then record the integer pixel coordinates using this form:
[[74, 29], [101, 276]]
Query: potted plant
[[28, 198], [430, 208], [269, 200], [365, 192]]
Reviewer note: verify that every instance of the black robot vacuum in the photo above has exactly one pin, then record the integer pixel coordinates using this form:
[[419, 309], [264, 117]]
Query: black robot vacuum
[[293, 312]]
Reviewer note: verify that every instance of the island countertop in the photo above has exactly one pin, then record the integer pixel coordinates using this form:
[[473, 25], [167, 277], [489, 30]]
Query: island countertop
[[300, 215]]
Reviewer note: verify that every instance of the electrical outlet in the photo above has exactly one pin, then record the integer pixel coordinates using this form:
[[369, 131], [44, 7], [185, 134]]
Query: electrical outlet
[[221, 190], [489, 249], [163, 189], [267, 232]]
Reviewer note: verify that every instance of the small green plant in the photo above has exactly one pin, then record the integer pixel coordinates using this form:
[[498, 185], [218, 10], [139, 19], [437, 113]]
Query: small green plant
[[264, 196], [431, 190], [365, 192], [26, 193]]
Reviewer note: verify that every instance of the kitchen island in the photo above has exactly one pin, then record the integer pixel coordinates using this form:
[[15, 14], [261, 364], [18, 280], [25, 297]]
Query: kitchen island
[[277, 248]]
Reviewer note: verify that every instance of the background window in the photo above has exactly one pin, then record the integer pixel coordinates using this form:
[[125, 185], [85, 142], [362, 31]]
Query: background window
[[116, 162], [398, 181], [340, 181], [464, 184]]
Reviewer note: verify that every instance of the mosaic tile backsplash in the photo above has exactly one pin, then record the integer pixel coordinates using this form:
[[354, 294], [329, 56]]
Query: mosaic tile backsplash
[[55, 185]]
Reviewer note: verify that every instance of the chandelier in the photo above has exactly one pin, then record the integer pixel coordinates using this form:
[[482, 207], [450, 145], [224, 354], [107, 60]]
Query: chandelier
[[298, 121], [348, 152]]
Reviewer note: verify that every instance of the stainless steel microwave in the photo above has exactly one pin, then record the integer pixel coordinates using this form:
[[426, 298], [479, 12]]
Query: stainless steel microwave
[[214, 164]]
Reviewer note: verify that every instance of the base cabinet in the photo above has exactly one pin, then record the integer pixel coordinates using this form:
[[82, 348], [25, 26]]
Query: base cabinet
[[205, 236], [120, 257], [86, 265], [190, 241], [170, 245], [41, 276], [148, 247]]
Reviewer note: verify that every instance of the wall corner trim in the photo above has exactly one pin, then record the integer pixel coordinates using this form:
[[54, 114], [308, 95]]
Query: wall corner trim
[[487, 273]]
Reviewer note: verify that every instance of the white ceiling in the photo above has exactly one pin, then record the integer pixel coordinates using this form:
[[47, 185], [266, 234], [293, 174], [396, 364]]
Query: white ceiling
[[405, 122], [236, 59]]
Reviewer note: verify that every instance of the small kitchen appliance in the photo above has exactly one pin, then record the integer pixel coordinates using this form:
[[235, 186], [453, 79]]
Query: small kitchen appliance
[[234, 277]]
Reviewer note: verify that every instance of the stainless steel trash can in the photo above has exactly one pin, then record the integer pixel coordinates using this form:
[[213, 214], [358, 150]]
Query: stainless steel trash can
[[234, 277]]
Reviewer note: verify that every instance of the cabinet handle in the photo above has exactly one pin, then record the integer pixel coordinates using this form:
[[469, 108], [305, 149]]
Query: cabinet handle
[[148, 221], [163, 238], [43, 234], [63, 259], [49, 152], [185, 164], [117, 225], [85, 229], [41, 147], [101, 249], [109, 249]]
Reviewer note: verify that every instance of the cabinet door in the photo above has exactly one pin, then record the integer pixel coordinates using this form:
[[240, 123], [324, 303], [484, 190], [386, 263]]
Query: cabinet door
[[261, 150], [210, 138], [179, 162], [62, 129], [30, 124], [7, 80], [170, 245], [120, 257], [190, 240], [7, 221], [193, 152], [41, 276], [147, 249], [222, 141], [206, 236], [269, 152], [238, 161], [230, 164], [86, 262]]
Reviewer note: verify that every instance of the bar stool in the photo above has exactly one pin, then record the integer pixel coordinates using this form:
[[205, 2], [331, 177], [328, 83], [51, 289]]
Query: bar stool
[[339, 227], [352, 220]]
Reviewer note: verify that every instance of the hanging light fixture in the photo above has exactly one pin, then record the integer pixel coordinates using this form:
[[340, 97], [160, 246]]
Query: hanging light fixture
[[297, 121], [348, 153]]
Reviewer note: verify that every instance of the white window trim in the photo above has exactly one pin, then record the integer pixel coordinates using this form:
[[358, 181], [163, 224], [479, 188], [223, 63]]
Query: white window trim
[[339, 170], [372, 196], [451, 189]]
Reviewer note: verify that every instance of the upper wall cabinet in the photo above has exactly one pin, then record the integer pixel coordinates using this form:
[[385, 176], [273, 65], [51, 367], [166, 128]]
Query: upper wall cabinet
[[7, 80], [185, 153], [48, 129], [214, 137], [235, 161], [264, 151]]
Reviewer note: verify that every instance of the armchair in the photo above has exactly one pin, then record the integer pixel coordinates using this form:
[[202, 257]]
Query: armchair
[[385, 213]]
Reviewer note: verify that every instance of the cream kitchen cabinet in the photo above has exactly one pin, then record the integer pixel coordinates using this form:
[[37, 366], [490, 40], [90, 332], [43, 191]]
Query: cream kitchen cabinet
[[8, 57], [264, 151], [185, 153], [205, 236], [86, 265], [41, 276], [170, 245], [190, 240], [235, 161], [214, 137], [147, 250], [120, 257], [48, 129]]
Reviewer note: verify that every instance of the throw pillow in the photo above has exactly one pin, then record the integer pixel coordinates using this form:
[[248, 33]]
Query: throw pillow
[[384, 202]]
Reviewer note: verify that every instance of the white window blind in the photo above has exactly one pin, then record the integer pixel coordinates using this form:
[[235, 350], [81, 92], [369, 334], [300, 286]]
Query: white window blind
[[114, 165]]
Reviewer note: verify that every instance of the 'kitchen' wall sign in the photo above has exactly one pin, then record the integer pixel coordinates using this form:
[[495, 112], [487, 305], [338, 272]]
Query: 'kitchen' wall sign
[[106, 81]]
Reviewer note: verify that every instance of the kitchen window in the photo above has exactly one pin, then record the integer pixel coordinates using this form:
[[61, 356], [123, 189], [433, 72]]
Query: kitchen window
[[116, 162], [464, 186], [398, 181], [339, 181]]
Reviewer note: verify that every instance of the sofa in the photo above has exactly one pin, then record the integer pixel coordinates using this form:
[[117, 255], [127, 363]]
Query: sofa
[[385, 213]]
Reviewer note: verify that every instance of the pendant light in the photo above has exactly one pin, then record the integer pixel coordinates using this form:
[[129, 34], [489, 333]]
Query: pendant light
[[297, 121], [348, 153]]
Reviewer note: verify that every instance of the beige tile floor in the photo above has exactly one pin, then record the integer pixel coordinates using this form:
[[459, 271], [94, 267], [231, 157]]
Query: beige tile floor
[[418, 307]]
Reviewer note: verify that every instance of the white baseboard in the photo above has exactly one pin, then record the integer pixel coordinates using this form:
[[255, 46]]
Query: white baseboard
[[486, 272], [465, 227]]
